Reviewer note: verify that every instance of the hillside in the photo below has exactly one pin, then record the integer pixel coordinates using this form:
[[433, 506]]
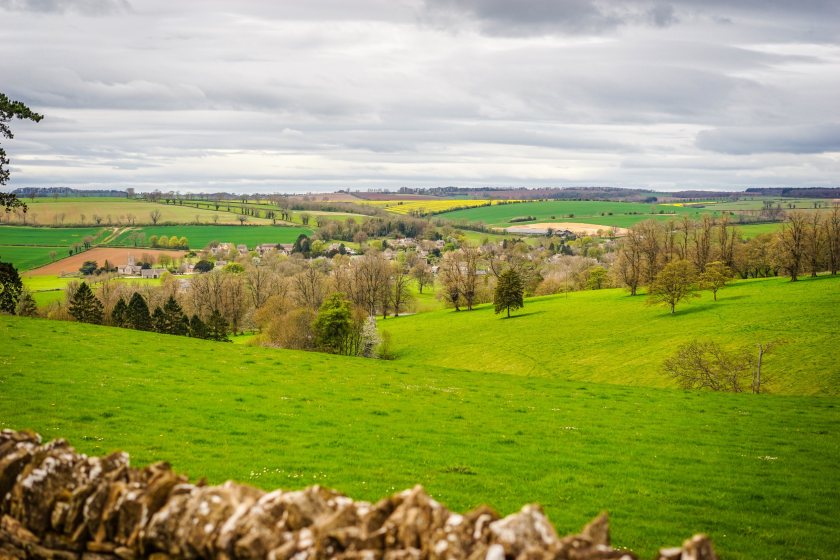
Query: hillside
[[607, 336], [747, 469]]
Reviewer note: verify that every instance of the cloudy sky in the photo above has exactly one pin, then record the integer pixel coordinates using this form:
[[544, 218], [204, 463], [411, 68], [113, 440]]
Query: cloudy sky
[[258, 96]]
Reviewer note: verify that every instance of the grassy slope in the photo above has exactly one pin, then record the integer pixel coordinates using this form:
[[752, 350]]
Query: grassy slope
[[747, 469], [608, 336], [200, 236]]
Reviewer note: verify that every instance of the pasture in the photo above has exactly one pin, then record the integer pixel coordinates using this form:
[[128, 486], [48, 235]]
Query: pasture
[[746, 469], [620, 214], [201, 236], [607, 336], [120, 212], [26, 258]]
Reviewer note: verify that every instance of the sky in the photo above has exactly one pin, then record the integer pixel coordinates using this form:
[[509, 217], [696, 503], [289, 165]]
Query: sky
[[292, 96]]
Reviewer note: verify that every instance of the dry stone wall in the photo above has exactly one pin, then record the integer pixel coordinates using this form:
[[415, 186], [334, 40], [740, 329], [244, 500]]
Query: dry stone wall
[[59, 504]]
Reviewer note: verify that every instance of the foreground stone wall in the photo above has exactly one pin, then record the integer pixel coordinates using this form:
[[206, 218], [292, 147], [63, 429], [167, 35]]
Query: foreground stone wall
[[56, 503]]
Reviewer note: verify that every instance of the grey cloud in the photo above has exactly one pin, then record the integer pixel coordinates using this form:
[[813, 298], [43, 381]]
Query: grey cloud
[[82, 7], [528, 16], [663, 15], [805, 139]]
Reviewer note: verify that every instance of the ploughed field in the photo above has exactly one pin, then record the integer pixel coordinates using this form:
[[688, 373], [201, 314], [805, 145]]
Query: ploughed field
[[751, 470], [607, 336]]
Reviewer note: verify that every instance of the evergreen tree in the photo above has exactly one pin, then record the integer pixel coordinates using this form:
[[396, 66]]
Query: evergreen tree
[[217, 327], [509, 292], [175, 322], [158, 321], [137, 314], [10, 287], [118, 315], [26, 306], [84, 307], [197, 327]]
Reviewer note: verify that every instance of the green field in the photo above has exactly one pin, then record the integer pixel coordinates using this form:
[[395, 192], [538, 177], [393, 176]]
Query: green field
[[609, 337], [624, 214], [751, 230], [45, 236], [200, 236], [749, 470], [27, 258]]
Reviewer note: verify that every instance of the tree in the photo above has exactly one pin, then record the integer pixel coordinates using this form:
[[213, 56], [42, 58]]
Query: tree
[[10, 287], [172, 319], [832, 238], [119, 313], [715, 277], [422, 274], [596, 277], [197, 327], [509, 292], [137, 314], [10, 110], [673, 284], [217, 327], [155, 216], [203, 266], [26, 306], [706, 365], [88, 268], [84, 307], [333, 325], [792, 244]]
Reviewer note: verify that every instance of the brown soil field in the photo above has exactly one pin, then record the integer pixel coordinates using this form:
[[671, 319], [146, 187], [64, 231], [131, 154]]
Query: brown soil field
[[116, 256], [579, 229]]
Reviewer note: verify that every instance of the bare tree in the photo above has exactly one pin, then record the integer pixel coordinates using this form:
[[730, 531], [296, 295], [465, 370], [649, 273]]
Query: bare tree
[[703, 243], [792, 243], [832, 238], [154, 215], [705, 365], [371, 275], [261, 283], [628, 266], [814, 243], [400, 279], [310, 285]]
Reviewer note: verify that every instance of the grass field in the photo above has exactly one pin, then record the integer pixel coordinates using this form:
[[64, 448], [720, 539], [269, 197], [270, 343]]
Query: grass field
[[30, 247], [607, 336], [200, 236], [47, 236], [27, 258], [749, 231], [749, 470], [624, 214], [116, 211]]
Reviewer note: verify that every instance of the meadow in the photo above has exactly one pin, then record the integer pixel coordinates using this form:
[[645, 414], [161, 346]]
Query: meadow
[[747, 469], [621, 214], [607, 336], [31, 247], [200, 236], [116, 211]]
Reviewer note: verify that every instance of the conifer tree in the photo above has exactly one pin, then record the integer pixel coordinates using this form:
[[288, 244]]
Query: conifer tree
[[217, 327], [197, 327], [84, 307], [175, 322], [10, 287], [158, 321], [137, 314], [118, 314], [509, 292]]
